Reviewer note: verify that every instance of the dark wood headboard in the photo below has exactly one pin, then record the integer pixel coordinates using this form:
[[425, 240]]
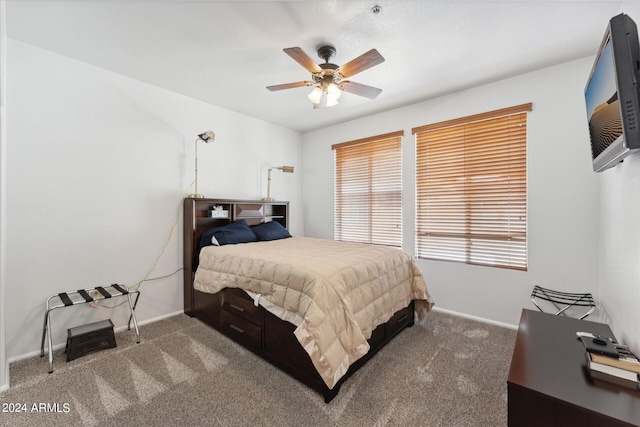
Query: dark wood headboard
[[197, 219]]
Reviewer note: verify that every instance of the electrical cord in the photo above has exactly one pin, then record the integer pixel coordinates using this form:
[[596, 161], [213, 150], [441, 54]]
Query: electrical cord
[[146, 278], [163, 277], [166, 243]]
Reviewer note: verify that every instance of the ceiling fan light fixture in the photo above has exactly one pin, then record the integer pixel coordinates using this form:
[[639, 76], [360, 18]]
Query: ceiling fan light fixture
[[329, 79], [333, 90], [315, 95], [332, 100]]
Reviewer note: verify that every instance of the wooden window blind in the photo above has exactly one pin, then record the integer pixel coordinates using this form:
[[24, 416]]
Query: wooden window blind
[[368, 190], [471, 189]]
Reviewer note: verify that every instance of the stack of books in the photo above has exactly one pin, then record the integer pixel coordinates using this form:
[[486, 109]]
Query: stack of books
[[622, 368]]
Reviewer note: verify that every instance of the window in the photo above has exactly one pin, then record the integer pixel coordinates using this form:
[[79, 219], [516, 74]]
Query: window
[[471, 189], [368, 190]]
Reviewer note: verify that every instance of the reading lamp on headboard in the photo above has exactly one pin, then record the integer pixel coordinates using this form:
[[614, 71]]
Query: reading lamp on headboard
[[206, 137], [285, 169]]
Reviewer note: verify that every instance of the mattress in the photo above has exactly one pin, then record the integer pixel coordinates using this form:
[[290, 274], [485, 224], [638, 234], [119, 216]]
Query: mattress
[[336, 293]]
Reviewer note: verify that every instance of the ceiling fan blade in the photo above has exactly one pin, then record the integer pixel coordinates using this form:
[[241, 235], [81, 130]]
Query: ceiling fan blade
[[361, 63], [360, 89], [290, 85], [303, 59]]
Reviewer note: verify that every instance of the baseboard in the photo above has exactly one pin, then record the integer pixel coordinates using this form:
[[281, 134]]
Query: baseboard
[[176, 313], [478, 319], [152, 320], [118, 329]]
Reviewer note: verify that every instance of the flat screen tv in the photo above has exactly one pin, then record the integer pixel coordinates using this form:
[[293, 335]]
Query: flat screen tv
[[611, 95]]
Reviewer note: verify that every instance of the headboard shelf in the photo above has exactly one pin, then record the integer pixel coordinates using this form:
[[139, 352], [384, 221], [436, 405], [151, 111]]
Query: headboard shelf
[[197, 220]]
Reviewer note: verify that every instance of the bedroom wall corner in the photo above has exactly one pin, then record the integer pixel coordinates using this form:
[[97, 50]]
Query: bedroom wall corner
[[4, 365]]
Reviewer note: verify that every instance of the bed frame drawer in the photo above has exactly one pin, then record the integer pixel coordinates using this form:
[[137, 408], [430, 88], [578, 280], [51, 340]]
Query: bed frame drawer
[[238, 303], [238, 329], [400, 320]]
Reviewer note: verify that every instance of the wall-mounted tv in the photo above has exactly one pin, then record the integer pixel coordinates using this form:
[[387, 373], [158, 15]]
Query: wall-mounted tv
[[612, 95]]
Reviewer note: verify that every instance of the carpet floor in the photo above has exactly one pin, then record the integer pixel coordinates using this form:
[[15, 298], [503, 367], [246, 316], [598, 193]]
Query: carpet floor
[[444, 371]]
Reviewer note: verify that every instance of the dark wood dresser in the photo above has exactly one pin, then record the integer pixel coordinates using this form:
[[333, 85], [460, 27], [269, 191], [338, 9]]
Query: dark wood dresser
[[548, 383]]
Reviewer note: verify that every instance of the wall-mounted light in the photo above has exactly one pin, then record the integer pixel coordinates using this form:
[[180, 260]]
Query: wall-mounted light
[[206, 137], [285, 169]]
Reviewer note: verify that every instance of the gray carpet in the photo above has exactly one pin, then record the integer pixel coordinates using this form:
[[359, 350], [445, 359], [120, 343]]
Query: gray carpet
[[444, 371]]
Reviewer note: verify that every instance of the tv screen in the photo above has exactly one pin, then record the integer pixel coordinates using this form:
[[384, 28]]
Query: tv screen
[[603, 105], [611, 95]]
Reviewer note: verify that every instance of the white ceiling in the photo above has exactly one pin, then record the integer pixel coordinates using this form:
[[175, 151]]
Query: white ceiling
[[226, 52]]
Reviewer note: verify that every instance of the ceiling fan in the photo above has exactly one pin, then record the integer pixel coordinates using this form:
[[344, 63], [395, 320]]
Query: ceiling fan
[[329, 79]]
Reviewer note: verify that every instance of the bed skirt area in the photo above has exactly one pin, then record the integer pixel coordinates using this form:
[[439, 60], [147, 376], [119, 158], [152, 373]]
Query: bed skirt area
[[335, 295]]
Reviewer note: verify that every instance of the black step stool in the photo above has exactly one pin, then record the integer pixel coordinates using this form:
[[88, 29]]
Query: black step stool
[[86, 339]]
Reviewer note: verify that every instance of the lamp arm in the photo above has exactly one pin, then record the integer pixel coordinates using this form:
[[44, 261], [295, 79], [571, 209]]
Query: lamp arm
[[196, 167], [269, 184], [204, 137]]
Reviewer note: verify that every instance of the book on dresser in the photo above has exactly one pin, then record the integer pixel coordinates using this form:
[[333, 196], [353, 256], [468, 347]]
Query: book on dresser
[[626, 361], [612, 374]]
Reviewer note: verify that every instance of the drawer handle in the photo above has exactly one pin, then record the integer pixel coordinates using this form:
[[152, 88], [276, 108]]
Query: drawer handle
[[236, 307], [402, 319], [235, 328]]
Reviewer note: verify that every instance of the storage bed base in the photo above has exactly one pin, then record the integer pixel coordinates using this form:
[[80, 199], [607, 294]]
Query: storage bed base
[[233, 314]]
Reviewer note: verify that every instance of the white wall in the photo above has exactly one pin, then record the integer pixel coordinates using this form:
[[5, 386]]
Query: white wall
[[620, 248], [97, 167], [562, 190], [4, 366]]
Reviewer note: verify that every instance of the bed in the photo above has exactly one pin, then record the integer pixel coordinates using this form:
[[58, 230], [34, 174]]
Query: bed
[[316, 308]]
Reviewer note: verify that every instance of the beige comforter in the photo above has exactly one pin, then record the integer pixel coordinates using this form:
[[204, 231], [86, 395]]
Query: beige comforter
[[336, 293]]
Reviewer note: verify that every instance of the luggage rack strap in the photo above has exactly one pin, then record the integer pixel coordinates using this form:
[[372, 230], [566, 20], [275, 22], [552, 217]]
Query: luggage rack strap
[[103, 291], [64, 297], [85, 295], [120, 289]]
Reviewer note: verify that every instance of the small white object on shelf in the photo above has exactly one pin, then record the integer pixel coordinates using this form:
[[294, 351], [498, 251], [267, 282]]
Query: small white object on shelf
[[218, 212]]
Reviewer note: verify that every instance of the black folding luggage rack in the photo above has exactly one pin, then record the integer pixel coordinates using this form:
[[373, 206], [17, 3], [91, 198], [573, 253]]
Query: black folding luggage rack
[[564, 300], [85, 296]]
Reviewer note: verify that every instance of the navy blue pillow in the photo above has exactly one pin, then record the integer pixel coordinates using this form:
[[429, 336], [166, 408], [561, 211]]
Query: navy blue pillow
[[236, 232], [271, 230]]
